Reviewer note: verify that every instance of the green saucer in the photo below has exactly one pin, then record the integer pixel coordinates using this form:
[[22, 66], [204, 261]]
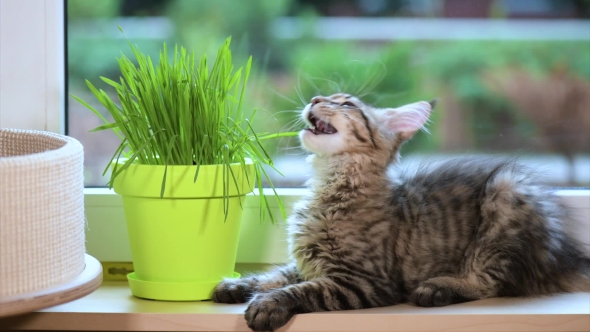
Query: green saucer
[[171, 291]]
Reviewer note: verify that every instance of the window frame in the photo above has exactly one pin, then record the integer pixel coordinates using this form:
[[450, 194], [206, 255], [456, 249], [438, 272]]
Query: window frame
[[46, 109], [41, 101]]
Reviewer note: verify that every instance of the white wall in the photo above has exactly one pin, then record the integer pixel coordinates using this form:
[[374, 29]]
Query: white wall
[[32, 64]]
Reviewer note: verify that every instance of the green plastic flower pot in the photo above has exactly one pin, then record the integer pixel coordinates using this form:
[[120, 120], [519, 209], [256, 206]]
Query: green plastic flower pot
[[181, 244]]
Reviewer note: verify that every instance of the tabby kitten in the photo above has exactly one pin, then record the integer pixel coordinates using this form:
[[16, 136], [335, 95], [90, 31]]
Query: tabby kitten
[[460, 231]]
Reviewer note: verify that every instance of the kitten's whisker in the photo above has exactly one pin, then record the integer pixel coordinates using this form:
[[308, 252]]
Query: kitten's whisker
[[298, 87], [282, 95], [288, 111], [374, 79], [330, 82], [292, 125], [309, 80], [297, 121], [300, 95]]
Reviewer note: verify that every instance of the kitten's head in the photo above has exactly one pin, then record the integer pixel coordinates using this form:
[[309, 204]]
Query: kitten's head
[[342, 123]]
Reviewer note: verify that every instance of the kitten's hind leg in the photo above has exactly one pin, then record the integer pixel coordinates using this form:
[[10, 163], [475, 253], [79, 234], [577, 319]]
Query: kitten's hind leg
[[441, 291], [241, 290]]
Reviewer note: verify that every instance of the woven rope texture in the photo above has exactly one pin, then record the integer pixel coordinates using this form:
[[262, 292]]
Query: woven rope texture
[[41, 210]]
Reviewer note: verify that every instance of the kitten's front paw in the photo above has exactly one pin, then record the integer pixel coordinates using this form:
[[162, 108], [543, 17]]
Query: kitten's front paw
[[429, 295], [233, 291], [266, 312]]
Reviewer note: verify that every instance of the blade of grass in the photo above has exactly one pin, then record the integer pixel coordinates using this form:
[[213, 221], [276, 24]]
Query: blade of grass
[[116, 155], [163, 187], [106, 126]]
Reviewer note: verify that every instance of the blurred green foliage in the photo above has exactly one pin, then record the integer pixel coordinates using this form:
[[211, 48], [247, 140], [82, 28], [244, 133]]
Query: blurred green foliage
[[459, 67], [202, 25], [81, 9], [287, 73]]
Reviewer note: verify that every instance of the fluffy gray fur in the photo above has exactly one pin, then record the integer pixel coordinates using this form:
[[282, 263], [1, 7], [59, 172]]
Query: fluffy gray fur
[[458, 231]]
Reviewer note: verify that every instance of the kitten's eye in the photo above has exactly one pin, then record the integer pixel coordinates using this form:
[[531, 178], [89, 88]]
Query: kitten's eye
[[347, 103]]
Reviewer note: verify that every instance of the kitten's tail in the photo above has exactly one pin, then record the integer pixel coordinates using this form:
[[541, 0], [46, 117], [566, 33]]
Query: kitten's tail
[[584, 277], [578, 278]]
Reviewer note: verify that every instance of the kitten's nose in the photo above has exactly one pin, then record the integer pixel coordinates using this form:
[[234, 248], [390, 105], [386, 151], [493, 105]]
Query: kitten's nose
[[316, 100]]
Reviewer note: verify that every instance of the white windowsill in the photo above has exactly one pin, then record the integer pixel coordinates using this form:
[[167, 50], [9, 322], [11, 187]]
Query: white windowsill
[[113, 308]]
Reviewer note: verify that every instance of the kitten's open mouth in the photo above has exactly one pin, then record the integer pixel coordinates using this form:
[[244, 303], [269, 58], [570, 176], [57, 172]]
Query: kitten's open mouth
[[320, 127]]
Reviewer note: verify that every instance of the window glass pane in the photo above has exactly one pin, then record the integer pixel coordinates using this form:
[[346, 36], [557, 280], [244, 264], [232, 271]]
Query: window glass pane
[[512, 76]]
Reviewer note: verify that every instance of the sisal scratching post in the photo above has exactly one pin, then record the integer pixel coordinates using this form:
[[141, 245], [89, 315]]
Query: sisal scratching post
[[42, 242]]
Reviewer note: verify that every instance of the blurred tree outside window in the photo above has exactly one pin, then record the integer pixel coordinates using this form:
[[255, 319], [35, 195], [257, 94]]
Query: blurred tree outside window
[[512, 76]]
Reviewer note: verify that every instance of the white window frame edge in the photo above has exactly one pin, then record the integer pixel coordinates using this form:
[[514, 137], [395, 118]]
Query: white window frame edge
[[55, 44], [32, 65], [43, 108]]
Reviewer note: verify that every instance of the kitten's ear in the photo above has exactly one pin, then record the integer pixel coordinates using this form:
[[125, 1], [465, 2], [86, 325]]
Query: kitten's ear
[[405, 121]]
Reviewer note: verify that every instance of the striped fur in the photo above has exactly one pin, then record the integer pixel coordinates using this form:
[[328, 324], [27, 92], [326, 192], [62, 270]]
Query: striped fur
[[456, 231]]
